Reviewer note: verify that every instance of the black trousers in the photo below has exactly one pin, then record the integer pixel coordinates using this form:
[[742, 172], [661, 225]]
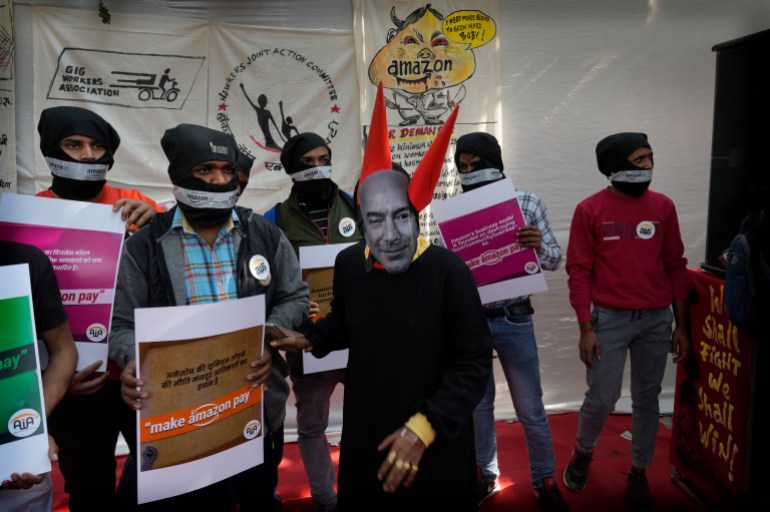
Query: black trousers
[[86, 429]]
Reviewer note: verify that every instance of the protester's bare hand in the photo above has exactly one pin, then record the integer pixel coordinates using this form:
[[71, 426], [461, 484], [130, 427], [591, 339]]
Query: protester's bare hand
[[292, 341], [402, 462], [130, 386], [84, 383], [53, 449], [134, 211], [260, 370], [313, 310], [680, 344], [22, 481], [529, 236], [589, 346]]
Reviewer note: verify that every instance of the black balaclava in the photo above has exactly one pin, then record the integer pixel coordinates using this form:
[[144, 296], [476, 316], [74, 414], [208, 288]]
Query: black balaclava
[[612, 154], [490, 166], [243, 163], [186, 146], [312, 185], [73, 179]]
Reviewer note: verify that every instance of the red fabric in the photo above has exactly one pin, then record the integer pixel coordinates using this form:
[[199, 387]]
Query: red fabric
[[606, 482], [110, 195]]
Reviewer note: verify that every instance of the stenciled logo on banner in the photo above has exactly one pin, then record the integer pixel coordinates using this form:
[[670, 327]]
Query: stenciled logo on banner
[[425, 61], [266, 117], [138, 80]]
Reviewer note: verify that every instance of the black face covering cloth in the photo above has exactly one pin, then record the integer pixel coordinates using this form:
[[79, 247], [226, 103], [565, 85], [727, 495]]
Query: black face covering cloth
[[55, 124], [486, 147], [188, 145]]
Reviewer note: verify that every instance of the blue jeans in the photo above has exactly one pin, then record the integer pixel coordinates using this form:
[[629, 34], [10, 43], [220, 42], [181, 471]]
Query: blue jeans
[[313, 392], [513, 338], [646, 335]]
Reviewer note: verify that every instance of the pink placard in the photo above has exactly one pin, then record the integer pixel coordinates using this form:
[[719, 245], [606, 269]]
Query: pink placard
[[486, 240]]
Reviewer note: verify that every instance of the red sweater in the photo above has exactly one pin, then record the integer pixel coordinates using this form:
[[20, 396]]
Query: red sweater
[[625, 253]]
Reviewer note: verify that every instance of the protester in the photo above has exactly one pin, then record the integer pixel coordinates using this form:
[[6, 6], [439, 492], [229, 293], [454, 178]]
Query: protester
[[478, 157], [25, 491], [316, 212], [164, 265], [79, 147], [420, 352], [626, 260]]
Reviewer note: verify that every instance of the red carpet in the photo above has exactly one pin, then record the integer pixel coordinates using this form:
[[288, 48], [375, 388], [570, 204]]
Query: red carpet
[[606, 485]]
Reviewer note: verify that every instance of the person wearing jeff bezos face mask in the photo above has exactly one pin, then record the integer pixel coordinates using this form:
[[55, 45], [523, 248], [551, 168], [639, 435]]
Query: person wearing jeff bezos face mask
[[420, 349], [628, 283]]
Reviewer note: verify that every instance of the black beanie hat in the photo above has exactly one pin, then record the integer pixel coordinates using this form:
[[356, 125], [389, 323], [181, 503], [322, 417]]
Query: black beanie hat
[[188, 145], [243, 163], [612, 152], [56, 123], [297, 146], [482, 144]]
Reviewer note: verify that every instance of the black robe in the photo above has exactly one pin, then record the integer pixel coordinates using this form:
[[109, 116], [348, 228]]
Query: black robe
[[419, 342]]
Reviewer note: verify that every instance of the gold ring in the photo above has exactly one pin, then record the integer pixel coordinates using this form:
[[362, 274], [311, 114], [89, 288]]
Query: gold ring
[[402, 464], [392, 456], [414, 468]]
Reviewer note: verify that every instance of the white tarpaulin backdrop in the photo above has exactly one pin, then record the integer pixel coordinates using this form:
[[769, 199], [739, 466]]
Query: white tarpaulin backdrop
[[571, 73]]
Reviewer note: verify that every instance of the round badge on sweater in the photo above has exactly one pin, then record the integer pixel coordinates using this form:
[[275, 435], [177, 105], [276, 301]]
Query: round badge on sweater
[[260, 269], [645, 230], [347, 227]]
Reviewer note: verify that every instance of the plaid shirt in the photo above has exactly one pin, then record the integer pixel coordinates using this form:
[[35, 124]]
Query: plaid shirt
[[210, 271]]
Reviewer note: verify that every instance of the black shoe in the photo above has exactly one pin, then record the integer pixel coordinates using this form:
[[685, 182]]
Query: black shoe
[[487, 489], [638, 493], [550, 497], [576, 472]]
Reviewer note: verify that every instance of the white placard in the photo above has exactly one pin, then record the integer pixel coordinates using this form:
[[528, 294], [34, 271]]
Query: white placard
[[189, 324], [23, 429], [315, 257]]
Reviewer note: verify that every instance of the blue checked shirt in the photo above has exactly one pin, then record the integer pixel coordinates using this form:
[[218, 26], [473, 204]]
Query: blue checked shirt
[[210, 271]]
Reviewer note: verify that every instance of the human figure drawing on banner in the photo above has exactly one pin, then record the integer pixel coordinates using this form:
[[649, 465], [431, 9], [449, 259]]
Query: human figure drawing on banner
[[264, 119], [425, 75]]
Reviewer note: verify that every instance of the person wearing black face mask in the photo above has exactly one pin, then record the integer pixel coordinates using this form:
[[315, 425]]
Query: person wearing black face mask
[[479, 161], [316, 212], [79, 147], [628, 280], [205, 250]]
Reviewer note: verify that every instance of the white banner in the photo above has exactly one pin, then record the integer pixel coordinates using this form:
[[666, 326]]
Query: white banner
[[267, 85], [429, 59], [7, 101], [143, 74]]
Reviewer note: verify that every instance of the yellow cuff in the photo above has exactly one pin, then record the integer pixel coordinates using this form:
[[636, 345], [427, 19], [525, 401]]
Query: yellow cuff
[[420, 425]]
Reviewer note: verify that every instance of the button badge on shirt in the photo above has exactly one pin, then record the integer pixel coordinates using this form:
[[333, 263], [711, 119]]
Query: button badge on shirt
[[347, 227], [260, 269]]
